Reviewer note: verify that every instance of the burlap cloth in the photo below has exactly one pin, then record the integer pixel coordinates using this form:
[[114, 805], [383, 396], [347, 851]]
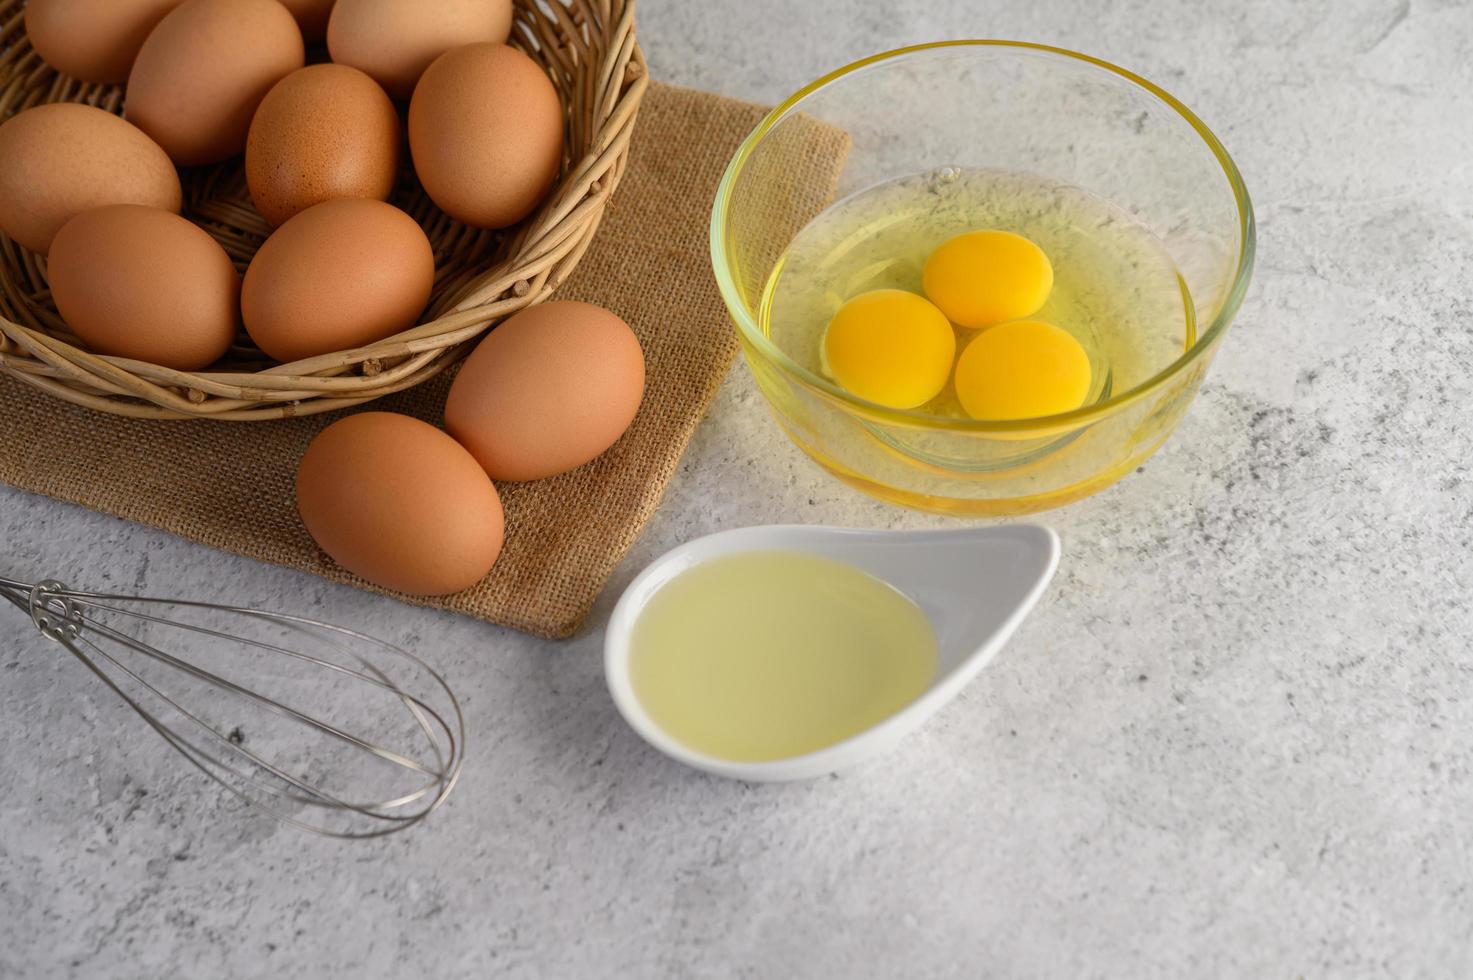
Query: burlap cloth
[[229, 485]]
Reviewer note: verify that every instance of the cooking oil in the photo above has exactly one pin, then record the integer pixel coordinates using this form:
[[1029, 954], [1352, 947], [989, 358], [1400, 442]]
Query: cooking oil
[[1116, 289], [773, 654]]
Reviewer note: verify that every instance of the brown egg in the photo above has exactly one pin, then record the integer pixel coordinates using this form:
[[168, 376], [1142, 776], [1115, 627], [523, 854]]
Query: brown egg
[[311, 16], [325, 131], [340, 275], [547, 391], [486, 132], [59, 160], [395, 40], [203, 71], [93, 40], [399, 503], [147, 284]]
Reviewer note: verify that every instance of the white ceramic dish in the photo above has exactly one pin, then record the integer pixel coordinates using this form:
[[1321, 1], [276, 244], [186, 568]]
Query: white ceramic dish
[[975, 584]]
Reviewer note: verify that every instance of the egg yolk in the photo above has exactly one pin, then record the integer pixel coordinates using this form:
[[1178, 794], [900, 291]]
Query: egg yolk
[[984, 278], [890, 347], [1022, 370]]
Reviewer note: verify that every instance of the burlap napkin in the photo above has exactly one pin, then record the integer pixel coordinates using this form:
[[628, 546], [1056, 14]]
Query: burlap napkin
[[229, 485]]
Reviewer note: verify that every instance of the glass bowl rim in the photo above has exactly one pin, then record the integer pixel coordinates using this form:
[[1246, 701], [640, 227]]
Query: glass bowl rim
[[746, 322]]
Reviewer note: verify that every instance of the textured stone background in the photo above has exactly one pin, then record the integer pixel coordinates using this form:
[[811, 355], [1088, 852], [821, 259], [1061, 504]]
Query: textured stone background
[[1233, 740]]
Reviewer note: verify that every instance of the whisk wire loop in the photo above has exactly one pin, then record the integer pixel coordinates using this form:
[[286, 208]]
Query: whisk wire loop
[[78, 621]]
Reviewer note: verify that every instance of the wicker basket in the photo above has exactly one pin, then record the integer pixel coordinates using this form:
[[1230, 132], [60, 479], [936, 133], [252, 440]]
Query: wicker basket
[[588, 48]]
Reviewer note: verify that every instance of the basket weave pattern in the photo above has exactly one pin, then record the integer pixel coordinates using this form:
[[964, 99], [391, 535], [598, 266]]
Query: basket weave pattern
[[589, 50]]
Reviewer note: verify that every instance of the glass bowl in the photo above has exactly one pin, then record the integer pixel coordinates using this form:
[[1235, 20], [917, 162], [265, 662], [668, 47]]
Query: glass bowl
[[1017, 108]]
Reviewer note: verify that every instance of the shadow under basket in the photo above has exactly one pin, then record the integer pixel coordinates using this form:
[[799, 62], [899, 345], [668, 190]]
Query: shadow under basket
[[588, 49]]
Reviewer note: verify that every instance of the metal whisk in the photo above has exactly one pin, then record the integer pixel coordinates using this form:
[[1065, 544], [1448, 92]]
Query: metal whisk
[[325, 728]]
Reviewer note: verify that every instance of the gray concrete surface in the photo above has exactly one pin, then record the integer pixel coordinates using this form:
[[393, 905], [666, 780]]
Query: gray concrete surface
[[1234, 740]]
